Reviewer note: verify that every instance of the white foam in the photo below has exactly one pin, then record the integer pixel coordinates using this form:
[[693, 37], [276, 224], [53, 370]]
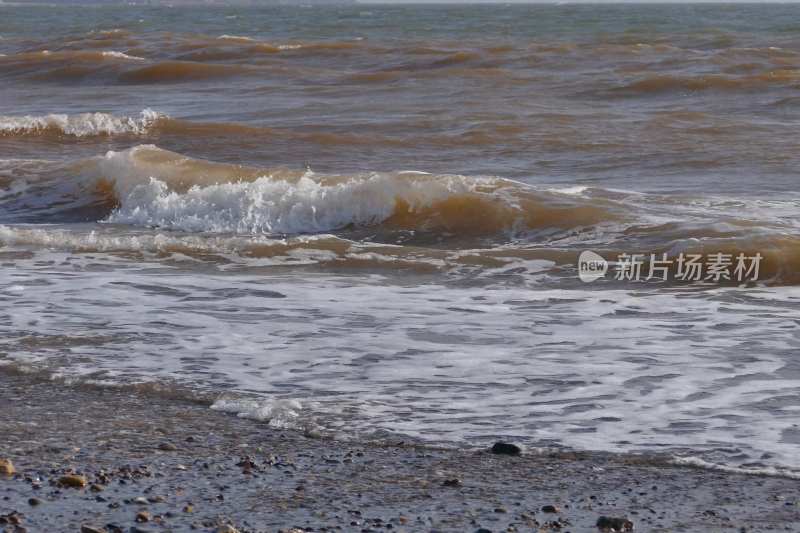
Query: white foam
[[574, 190], [16, 188], [278, 413], [121, 55], [107, 32], [78, 241], [611, 370], [81, 125], [262, 206], [227, 37], [758, 471]]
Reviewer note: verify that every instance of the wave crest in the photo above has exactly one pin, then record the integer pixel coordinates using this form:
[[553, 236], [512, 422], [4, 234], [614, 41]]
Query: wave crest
[[157, 188], [80, 125]]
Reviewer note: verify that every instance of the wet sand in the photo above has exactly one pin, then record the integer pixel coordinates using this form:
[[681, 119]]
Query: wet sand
[[177, 466]]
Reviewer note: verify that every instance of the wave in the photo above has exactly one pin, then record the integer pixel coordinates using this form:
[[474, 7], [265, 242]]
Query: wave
[[772, 471], [315, 248], [80, 125], [249, 51], [67, 65], [278, 413], [498, 75], [61, 56], [157, 188], [146, 186], [179, 71], [666, 83], [121, 67], [243, 251], [154, 123], [236, 38], [204, 207], [121, 55]]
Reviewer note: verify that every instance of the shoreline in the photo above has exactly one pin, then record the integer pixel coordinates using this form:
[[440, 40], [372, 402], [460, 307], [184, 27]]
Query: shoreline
[[175, 465]]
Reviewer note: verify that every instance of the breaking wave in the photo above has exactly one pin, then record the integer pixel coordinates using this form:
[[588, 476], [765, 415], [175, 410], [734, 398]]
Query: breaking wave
[[80, 125], [157, 188], [206, 208]]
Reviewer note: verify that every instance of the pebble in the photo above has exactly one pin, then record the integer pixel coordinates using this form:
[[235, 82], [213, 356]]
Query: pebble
[[227, 529], [6, 467], [72, 480], [607, 523], [505, 448], [451, 483], [33, 502], [550, 509], [92, 529], [142, 516], [167, 447], [13, 518]]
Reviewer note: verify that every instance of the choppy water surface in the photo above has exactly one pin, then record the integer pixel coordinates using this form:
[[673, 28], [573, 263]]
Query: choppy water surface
[[365, 220]]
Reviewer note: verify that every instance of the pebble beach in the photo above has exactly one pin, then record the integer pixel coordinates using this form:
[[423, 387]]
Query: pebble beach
[[89, 459]]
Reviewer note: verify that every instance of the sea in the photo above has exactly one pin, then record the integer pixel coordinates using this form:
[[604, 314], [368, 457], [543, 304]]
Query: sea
[[445, 224]]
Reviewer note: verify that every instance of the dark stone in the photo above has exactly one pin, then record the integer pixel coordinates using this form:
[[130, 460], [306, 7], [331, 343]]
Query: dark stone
[[504, 448], [92, 529], [167, 447], [550, 509], [607, 523], [72, 480], [33, 502], [451, 483], [13, 518], [247, 463]]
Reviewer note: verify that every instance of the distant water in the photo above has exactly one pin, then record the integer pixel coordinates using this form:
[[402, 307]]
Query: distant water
[[366, 220]]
